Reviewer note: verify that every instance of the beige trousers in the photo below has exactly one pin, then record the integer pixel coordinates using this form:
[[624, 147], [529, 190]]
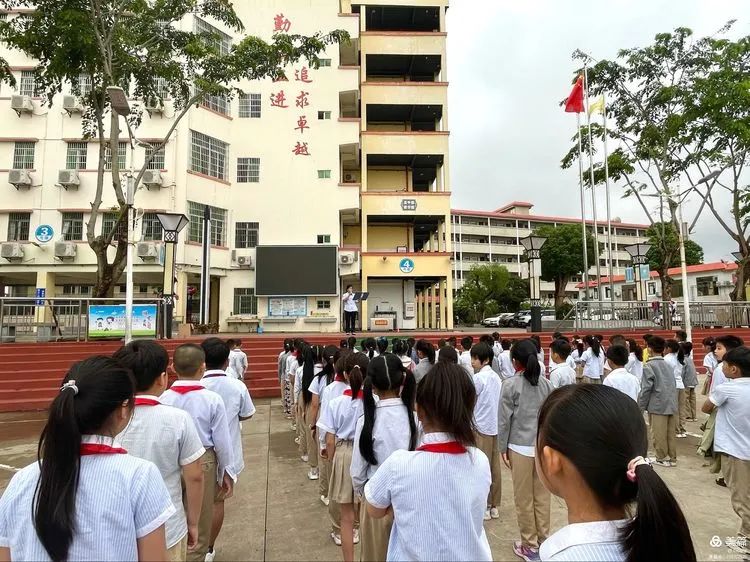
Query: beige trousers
[[325, 473], [208, 464], [488, 445], [311, 445], [532, 500], [299, 416], [178, 552], [737, 475], [374, 535], [589, 380], [663, 432], [690, 412], [681, 405]]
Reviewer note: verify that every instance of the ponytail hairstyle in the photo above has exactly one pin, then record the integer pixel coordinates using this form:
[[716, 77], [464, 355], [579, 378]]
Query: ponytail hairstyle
[[382, 343], [594, 343], [369, 346], [525, 354], [537, 342], [675, 348], [601, 450], [427, 350], [386, 372], [579, 347], [710, 343], [329, 352], [355, 369], [686, 347], [636, 349], [400, 347], [307, 362], [97, 387], [288, 345]]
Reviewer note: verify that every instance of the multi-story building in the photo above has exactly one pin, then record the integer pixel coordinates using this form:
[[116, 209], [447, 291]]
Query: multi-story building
[[481, 237], [352, 155]]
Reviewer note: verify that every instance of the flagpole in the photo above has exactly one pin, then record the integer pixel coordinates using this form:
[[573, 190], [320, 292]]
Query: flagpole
[[593, 190], [583, 212], [206, 267], [609, 214]]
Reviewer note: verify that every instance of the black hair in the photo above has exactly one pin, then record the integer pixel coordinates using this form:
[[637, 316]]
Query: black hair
[[680, 335], [231, 342], [399, 347], [617, 339], [343, 343], [657, 344], [452, 341], [594, 343], [525, 353], [601, 449], [386, 372], [369, 346], [217, 352], [349, 287], [187, 358], [674, 347], [740, 358], [537, 342], [146, 359], [506, 344], [442, 343], [448, 355], [496, 336], [687, 348], [557, 336], [103, 385], [729, 341], [355, 367], [636, 349], [382, 343], [307, 361], [486, 338], [561, 347], [427, 350], [352, 342], [288, 345], [329, 353], [710, 343], [618, 355], [410, 342], [446, 398], [647, 337], [467, 342], [579, 347], [482, 352]]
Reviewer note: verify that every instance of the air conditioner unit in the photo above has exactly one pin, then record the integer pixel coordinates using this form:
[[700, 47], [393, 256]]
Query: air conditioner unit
[[65, 250], [152, 179], [347, 258], [245, 261], [147, 250], [68, 179], [72, 105], [11, 251], [153, 107], [19, 178], [21, 104]]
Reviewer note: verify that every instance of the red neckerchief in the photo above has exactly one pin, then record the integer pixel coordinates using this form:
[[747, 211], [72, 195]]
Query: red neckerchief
[[143, 401], [339, 378], [450, 447], [99, 449], [348, 392], [187, 388]]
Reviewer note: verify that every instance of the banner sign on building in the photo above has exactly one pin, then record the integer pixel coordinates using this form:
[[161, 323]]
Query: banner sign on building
[[287, 306], [109, 321]]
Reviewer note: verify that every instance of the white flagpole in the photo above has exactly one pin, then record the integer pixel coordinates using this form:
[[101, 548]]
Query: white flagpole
[[593, 190], [583, 212], [609, 215]]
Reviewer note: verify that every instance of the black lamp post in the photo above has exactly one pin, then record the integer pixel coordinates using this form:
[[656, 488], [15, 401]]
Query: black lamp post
[[172, 223], [533, 246]]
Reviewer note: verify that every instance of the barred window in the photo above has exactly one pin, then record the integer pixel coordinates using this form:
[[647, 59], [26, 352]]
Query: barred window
[[108, 223], [72, 226], [248, 170], [85, 84], [324, 174], [250, 106], [27, 84], [218, 224], [324, 115], [324, 238], [219, 104], [325, 62], [324, 305], [151, 228], [122, 149], [208, 155], [162, 87], [76, 156], [23, 156], [246, 234], [214, 37], [157, 162], [245, 301], [18, 226]]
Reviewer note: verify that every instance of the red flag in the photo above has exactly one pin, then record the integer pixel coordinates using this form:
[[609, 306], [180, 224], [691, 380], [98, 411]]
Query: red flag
[[574, 103]]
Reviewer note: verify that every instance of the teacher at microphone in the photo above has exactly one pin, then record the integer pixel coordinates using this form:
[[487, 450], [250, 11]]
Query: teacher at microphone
[[350, 311]]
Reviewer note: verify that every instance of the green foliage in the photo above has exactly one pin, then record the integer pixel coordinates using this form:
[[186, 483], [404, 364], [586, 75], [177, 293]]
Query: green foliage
[[562, 255], [665, 247], [489, 289]]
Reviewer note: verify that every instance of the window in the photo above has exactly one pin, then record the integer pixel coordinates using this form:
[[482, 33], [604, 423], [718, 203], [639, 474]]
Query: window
[[122, 148], [324, 174], [23, 156], [208, 155], [325, 62], [324, 238], [18, 226], [248, 170], [162, 87], [218, 224], [157, 162], [76, 156], [72, 226], [324, 115], [108, 223], [218, 103], [151, 227], [245, 301], [250, 106], [27, 84], [246, 234], [85, 85], [707, 286], [213, 36], [325, 305]]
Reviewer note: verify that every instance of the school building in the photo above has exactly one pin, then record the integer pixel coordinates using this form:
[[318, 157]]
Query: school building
[[347, 162]]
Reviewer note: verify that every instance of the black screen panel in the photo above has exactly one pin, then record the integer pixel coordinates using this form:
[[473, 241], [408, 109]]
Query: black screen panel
[[291, 271]]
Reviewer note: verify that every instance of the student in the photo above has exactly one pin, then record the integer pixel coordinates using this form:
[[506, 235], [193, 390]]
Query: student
[[167, 437], [593, 361], [339, 422], [283, 355], [441, 345], [464, 358], [577, 355], [710, 362], [561, 373], [323, 376], [732, 431], [680, 336], [723, 345], [497, 347], [304, 361], [449, 355], [386, 427], [690, 380], [84, 498], [616, 339], [619, 377], [646, 337], [487, 385], [239, 407], [635, 359], [352, 344], [401, 349], [569, 361], [675, 359], [438, 493], [411, 343], [312, 366], [522, 396], [658, 397], [592, 443], [207, 410], [539, 351], [507, 370], [425, 359], [290, 370], [237, 359], [382, 343], [370, 348]]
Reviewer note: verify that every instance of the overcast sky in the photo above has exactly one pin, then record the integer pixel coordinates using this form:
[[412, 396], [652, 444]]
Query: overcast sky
[[509, 65]]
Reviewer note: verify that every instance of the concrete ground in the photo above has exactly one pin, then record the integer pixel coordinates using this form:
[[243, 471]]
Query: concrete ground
[[276, 515]]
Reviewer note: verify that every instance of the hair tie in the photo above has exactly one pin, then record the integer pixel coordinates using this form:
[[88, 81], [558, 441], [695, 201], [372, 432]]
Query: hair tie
[[632, 465], [355, 367], [70, 384]]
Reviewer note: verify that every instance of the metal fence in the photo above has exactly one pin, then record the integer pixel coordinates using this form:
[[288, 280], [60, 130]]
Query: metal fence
[[639, 315]]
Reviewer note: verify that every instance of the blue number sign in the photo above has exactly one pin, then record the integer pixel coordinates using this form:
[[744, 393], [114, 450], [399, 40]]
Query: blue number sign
[[44, 233]]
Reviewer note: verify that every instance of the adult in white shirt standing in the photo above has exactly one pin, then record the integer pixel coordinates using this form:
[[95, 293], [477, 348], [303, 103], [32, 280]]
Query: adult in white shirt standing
[[619, 377], [350, 311]]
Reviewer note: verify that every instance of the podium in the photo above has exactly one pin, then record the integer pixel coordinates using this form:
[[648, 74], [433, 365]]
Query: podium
[[361, 296]]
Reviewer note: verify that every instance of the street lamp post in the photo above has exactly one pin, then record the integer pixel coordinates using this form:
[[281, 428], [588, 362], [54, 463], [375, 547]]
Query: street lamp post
[[638, 254], [172, 223], [533, 246]]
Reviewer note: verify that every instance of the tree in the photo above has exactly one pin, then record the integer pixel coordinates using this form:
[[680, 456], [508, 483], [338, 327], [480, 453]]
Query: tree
[[488, 289], [665, 249], [562, 255], [132, 44]]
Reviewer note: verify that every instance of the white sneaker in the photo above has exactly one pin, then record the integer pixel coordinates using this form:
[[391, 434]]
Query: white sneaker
[[294, 427], [325, 500], [336, 538], [210, 556], [313, 474], [487, 515], [305, 458], [495, 513], [356, 536], [681, 435], [662, 463], [296, 440]]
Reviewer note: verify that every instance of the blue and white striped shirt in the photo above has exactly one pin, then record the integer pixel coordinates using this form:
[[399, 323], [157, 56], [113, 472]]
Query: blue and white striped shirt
[[586, 542]]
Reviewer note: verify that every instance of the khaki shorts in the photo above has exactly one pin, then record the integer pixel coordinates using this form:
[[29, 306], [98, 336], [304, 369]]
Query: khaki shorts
[[341, 489]]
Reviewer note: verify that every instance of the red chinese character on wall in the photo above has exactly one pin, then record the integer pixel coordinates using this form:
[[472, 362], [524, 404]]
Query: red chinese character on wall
[[301, 149], [302, 75], [301, 124], [302, 100], [280, 23], [278, 100]]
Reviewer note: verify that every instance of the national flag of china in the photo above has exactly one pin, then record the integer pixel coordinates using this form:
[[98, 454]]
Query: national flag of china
[[574, 103]]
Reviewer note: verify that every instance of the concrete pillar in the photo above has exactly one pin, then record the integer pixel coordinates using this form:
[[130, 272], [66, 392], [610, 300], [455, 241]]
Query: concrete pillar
[[418, 306], [443, 304], [45, 280], [424, 310], [364, 321], [449, 301], [363, 241], [433, 309]]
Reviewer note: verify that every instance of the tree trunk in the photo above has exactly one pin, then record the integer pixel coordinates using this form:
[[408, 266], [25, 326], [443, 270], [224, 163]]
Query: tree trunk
[[560, 285], [666, 296], [738, 294]]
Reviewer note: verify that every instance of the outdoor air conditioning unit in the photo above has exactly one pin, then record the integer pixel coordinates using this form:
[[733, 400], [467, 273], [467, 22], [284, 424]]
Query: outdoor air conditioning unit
[[11, 251], [245, 261], [68, 179], [65, 250], [72, 105], [19, 178], [147, 250], [21, 104], [152, 179], [153, 107], [347, 258]]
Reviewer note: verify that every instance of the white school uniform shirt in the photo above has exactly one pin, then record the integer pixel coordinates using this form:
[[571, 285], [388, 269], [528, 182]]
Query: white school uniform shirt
[[438, 503], [464, 359], [340, 417], [488, 387], [298, 383], [732, 433], [569, 361], [710, 362], [586, 542], [408, 363], [625, 382], [350, 305], [634, 366], [333, 390], [237, 364], [719, 377], [561, 374], [671, 360], [238, 404], [209, 415], [291, 366], [167, 437], [390, 432], [507, 370], [120, 499], [593, 366]]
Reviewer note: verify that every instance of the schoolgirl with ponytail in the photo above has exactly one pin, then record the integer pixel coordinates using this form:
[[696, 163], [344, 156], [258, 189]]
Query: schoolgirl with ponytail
[[86, 497], [370, 348], [675, 358], [311, 366], [324, 374], [591, 449], [593, 361], [426, 359], [520, 401], [385, 427]]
